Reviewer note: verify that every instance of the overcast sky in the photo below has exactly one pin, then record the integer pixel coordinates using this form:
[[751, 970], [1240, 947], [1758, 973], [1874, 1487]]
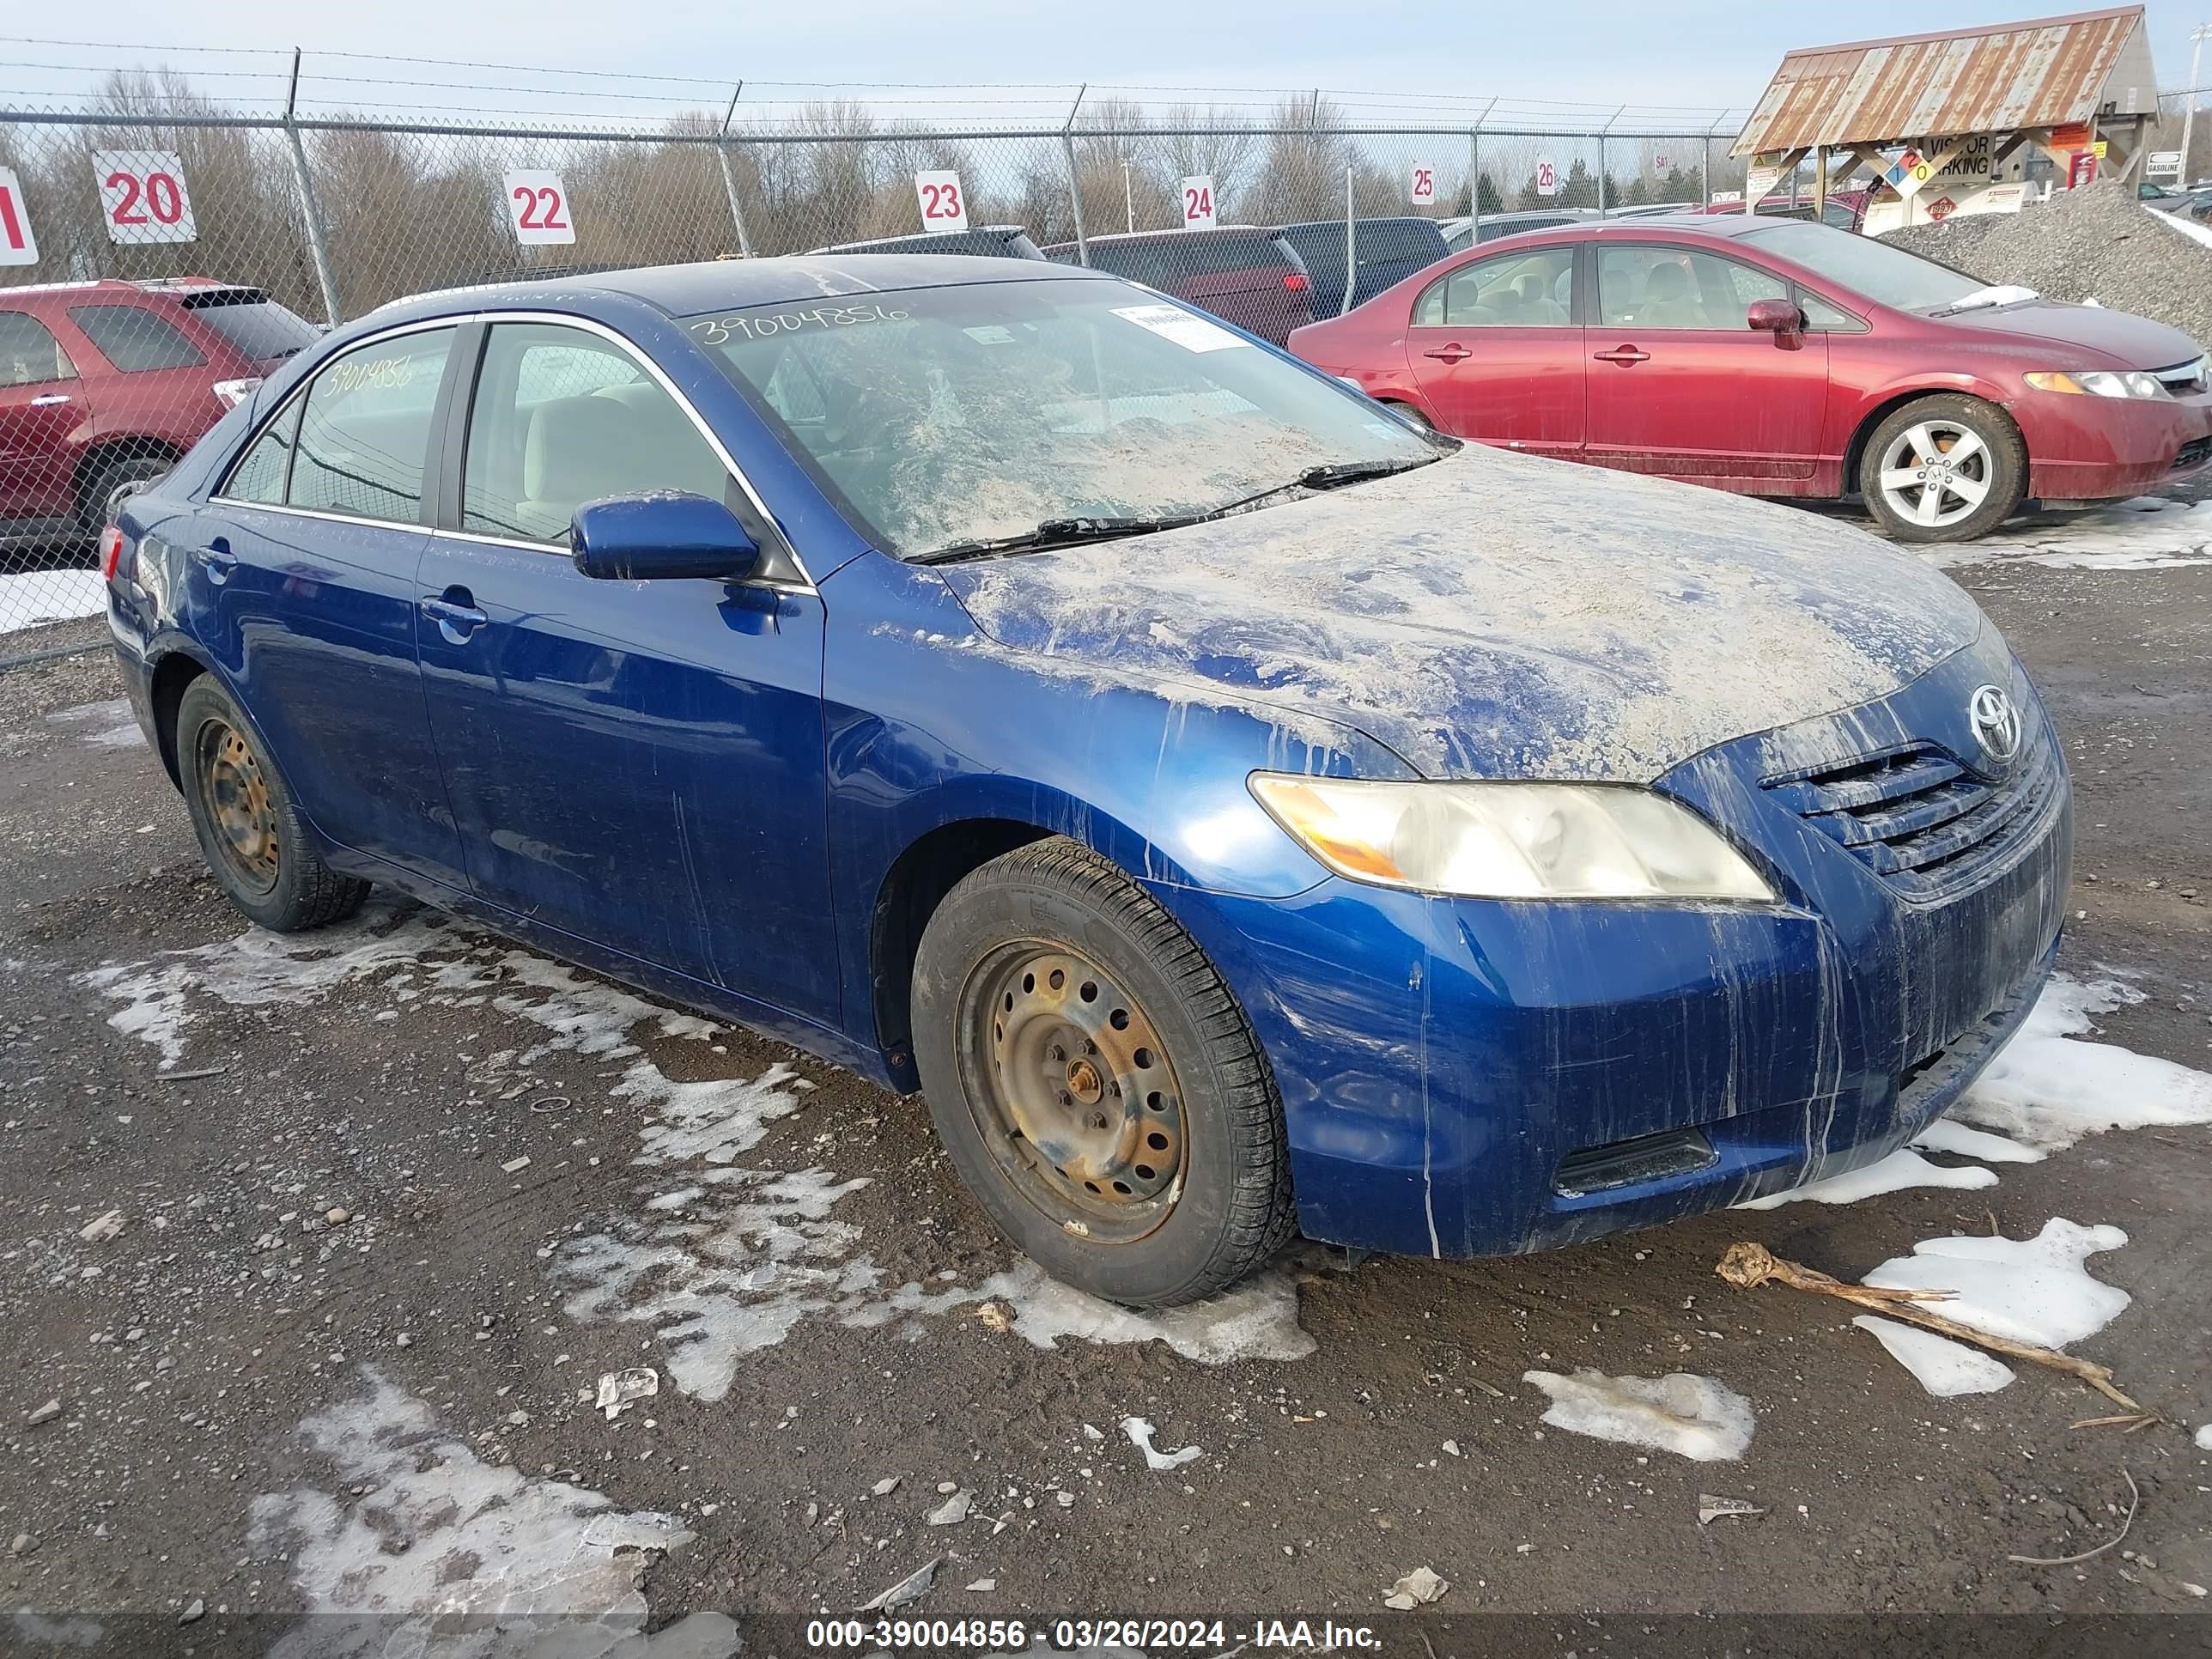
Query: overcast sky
[[1712, 53]]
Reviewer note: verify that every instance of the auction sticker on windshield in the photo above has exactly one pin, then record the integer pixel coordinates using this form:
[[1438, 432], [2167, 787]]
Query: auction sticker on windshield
[[1173, 323]]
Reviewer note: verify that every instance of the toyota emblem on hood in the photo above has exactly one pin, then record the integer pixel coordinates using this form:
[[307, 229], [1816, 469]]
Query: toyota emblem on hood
[[1996, 719]]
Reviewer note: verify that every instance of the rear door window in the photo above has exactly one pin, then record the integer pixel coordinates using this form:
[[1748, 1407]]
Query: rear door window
[[135, 338], [30, 353], [365, 430]]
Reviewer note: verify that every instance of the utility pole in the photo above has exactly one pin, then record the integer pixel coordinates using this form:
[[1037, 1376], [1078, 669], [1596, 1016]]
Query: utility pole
[[2189, 110]]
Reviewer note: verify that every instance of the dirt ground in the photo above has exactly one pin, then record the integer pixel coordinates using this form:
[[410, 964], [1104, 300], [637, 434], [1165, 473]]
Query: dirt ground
[[341, 1354]]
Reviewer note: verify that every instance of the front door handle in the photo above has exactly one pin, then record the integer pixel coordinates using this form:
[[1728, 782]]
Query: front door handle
[[455, 612], [50, 400], [216, 559], [1454, 353], [1627, 356]]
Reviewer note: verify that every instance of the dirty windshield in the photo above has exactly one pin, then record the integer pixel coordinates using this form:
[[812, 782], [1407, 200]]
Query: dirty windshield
[[962, 417], [1888, 276]]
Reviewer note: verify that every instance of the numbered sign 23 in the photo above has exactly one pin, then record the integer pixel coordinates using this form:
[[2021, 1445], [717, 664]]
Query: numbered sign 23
[[1547, 176], [17, 246], [538, 207], [943, 204], [143, 196], [1421, 189], [1198, 202]]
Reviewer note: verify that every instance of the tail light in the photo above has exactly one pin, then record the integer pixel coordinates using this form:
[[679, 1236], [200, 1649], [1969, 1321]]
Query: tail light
[[1295, 282], [113, 541], [231, 393]]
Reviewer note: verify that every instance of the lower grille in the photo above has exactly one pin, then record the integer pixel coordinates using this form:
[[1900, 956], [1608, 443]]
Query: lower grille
[[1629, 1162], [1920, 818], [2192, 452]]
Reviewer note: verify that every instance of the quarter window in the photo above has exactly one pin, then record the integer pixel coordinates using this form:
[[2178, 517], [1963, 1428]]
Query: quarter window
[[1659, 285], [262, 472], [563, 418], [365, 431], [1821, 318], [30, 353], [135, 339], [1535, 290]]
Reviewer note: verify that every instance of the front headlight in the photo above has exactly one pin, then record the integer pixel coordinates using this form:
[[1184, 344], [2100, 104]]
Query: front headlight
[[2097, 382], [1509, 840]]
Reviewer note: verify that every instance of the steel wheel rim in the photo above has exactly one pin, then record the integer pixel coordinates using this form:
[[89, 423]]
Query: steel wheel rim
[[1074, 1092], [1934, 473], [236, 793]]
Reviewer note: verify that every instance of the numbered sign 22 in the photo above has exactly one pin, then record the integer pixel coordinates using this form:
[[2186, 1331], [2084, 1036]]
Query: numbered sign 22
[[1422, 190], [17, 246], [1198, 202], [143, 196], [1547, 176], [538, 207], [943, 204]]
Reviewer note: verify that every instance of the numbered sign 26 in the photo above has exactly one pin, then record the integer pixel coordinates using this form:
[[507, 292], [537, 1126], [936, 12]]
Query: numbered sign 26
[[143, 196], [1547, 176], [944, 204], [1198, 203], [17, 246], [1422, 190], [538, 207]]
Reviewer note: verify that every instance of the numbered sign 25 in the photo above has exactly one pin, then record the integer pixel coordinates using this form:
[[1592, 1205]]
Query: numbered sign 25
[[143, 196], [1422, 190], [1547, 176], [17, 246], [538, 207], [943, 204], [1198, 202]]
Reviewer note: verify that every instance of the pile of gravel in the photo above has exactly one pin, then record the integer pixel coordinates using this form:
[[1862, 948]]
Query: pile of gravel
[[2095, 243]]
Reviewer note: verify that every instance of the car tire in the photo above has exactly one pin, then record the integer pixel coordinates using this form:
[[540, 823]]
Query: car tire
[[1411, 415], [251, 836], [96, 504], [1095, 1082], [1972, 500]]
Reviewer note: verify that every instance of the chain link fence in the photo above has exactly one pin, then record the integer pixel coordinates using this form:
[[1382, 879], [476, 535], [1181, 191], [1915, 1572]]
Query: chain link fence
[[153, 264]]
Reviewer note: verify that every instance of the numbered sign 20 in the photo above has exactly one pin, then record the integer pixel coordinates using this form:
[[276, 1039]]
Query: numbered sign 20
[[538, 207], [943, 204], [143, 196], [1547, 176], [1421, 190], [17, 246], [1198, 202]]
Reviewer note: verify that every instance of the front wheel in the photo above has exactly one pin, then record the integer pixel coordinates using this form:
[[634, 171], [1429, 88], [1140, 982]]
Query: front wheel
[[1944, 469], [1095, 1082]]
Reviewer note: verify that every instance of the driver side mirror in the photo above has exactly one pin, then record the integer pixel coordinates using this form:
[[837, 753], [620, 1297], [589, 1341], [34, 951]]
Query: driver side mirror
[[1776, 317], [664, 535]]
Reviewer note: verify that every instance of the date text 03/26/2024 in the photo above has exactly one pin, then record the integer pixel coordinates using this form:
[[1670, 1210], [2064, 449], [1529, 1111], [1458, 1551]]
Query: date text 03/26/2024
[[1079, 1635]]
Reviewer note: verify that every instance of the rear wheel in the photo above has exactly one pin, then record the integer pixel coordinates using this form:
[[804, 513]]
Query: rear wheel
[[242, 813], [1944, 469], [108, 484], [1096, 1083], [1411, 415]]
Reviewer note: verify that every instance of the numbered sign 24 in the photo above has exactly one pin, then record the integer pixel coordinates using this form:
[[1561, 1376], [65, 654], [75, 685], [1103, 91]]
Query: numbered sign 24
[[538, 207], [943, 204], [1198, 202], [143, 196], [1421, 191], [1547, 176], [17, 246]]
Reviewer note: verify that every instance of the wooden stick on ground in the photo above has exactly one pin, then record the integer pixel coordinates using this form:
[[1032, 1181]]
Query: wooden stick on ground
[[1746, 1266]]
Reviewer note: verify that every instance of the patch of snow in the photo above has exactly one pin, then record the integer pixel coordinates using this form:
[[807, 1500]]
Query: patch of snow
[[2204, 1437], [2148, 532], [1257, 1319], [1948, 1135], [1901, 1169], [2033, 1290], [1699, 1417], [1943, 1367], [1140, 1432], [2189, 227], [108, 724], [716, 1119], [2047, 1088], [31, 598], [421, 1546]]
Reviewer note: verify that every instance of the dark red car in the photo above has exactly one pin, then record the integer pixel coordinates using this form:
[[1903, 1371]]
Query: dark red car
[[1248, 275], [106, 383], [1775, 357], [1845, 209]]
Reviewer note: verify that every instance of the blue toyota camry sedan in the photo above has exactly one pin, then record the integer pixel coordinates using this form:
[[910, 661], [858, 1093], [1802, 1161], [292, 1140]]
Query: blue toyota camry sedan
[[1237, 811]]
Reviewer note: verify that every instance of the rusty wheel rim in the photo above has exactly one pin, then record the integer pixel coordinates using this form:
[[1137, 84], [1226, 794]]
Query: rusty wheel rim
[[1074, 1092], [236, 792]]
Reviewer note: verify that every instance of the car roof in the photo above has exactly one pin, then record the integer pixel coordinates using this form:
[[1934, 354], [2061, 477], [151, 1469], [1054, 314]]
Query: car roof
[[868, 243], [1365, 219], [118, 286], [1129, 237], [733, 284]]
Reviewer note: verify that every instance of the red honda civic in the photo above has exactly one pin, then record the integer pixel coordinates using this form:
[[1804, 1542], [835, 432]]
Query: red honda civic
[[1777, 357]]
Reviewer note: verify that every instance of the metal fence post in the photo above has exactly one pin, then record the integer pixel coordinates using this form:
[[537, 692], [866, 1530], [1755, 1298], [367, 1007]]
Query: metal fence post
[[1074, 181], [1350, 241], [729, 176], [1473, 185], [311, 210]]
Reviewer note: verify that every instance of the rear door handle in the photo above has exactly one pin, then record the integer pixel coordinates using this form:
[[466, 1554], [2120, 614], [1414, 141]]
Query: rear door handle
[[1454, 353], [1627, 356], [216, 559], [456, 614], [50, 400]]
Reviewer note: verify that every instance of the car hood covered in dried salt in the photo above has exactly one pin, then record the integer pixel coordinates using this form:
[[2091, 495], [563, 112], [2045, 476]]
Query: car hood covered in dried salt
[[1494, 615]]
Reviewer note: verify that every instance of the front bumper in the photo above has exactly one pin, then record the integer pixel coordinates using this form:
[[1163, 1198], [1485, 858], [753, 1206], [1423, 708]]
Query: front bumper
[[2086, 448], [1469, 1078]]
